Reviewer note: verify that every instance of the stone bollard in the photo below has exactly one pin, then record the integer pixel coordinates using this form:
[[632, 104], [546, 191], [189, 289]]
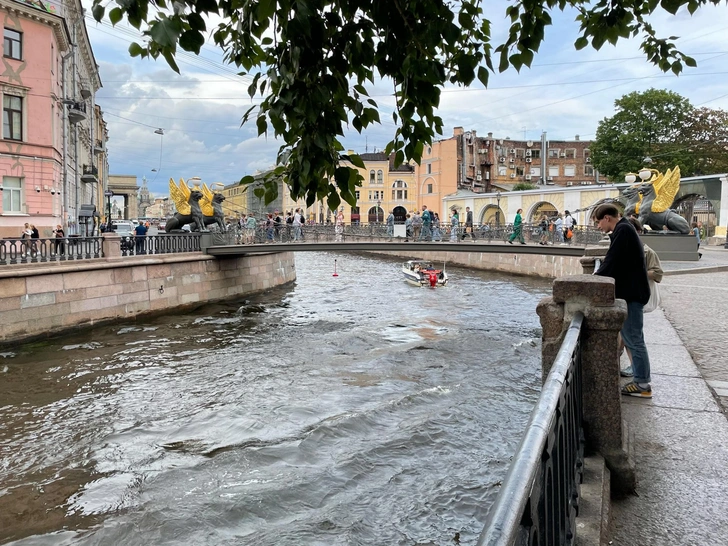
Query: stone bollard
[[111, 245], [603, 319], [206, 241]]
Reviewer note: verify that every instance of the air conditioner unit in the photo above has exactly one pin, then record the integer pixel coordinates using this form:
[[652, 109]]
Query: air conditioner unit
[[569, 183], [513, 160], [549, 178], [513, 151], [528, 160], [482, 151], [562, 155], [479, 177], [502, 160], [528, 153], [588, 159], [527, 177], [513, 175]]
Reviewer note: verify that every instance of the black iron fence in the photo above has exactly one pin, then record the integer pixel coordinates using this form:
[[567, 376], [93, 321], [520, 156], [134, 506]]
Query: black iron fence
[[167, 243], [580, 236], [22, 251], [538, 502]]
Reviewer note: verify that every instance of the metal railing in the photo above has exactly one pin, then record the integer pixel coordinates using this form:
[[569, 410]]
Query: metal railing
[[538, 502], [25, 251], [315, 233], [168, 243]]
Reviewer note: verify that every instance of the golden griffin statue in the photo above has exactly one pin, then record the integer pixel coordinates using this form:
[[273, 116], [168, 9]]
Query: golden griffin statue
[[197, 206], [651, 201]]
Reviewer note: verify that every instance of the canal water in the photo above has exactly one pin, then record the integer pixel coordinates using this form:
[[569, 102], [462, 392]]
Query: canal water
[[349, 410]]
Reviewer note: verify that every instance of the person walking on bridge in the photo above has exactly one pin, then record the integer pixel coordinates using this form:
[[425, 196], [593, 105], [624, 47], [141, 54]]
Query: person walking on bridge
[[426, 234], [390, 225], [517, 229], [625, 263]]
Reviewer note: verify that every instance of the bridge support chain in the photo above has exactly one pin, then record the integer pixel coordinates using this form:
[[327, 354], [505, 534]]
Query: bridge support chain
[[603, 319]]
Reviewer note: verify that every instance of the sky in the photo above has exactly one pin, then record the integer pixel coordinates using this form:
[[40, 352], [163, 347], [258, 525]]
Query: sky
[[565, 93]]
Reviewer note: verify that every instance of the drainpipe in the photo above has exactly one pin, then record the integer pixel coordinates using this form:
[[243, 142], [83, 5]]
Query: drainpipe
[[544, 151], [75, 133], [64, 214]]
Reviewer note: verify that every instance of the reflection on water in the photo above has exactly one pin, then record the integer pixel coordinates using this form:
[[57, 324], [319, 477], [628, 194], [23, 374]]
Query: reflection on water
[[348, 410]]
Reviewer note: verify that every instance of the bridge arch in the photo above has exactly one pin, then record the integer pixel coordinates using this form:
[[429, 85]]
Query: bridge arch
[[491, 215], [542, 207]]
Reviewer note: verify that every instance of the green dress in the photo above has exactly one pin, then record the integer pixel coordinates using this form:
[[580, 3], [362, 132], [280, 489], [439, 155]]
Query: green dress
[[517, 229]]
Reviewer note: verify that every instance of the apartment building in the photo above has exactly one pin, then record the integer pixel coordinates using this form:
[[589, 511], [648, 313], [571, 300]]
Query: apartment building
[[53, 135]]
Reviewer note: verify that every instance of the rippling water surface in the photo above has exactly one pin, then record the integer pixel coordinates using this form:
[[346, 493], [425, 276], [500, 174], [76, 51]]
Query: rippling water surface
[[349, 410]]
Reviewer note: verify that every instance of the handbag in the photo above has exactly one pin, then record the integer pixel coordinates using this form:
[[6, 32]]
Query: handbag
[[654, 301]]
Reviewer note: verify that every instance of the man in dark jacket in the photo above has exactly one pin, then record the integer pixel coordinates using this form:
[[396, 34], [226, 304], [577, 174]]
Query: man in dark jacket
[[625, 263]]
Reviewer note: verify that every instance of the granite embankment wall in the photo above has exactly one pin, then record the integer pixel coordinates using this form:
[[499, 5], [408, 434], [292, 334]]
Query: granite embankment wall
[[46, 299], [535, 265]]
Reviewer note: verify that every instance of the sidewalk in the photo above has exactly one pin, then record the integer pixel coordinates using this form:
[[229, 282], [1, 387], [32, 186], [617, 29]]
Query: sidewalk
[[680, 437]]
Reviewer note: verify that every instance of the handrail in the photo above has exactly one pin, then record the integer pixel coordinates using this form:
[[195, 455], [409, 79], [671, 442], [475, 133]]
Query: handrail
[[508, 512]]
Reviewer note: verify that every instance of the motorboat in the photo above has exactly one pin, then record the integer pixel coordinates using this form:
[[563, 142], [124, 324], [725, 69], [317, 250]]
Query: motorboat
[[424, 273]]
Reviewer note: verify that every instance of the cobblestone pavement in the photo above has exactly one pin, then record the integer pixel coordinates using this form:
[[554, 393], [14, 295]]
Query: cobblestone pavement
[[696, 304]]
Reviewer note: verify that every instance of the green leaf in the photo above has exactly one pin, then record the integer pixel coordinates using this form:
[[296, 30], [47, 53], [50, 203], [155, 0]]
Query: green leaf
[[581, 42], [689, 61], [165, 32], [266, 9], [247, 180], [115, 15], [168, 55], [356, 160], [98, 11], [191, 40], [135, 50], [259, 193]]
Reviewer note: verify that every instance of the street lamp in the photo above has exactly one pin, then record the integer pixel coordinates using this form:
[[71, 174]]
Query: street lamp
[[378, 204], [497, 212]]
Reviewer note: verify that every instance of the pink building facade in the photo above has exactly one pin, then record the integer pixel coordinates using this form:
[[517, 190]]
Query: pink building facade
[[44, 116]]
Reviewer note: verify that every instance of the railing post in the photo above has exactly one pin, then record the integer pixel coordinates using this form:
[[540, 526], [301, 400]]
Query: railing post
[[111, 245], [603, 319]]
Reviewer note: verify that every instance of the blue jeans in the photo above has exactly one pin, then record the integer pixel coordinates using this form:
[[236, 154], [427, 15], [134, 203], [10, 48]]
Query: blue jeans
[[634, 340]]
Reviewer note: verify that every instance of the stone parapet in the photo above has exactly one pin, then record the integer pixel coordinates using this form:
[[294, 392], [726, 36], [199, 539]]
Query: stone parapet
[[47, 299], [603, 319]]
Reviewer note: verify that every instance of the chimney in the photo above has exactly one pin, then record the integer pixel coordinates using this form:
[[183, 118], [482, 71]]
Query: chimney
[[576, 137], [490, 135], [457, 131]]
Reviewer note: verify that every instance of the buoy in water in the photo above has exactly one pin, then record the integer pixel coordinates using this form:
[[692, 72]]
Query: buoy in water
[[335, 273]]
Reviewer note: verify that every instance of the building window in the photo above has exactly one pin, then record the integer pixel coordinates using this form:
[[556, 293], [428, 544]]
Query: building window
[[356, 193], [570, 153], [588, 170], [12, 117], [399, 190], [371, 176], [553, 152], [520, 152], [519, 170], [429, 188], [13, 45], [569, 170], [429, 151], [12, 189], [535, 171], [587, 153], [502, 170], [380, 177], [536, 154], [553, 170], [429, 168]]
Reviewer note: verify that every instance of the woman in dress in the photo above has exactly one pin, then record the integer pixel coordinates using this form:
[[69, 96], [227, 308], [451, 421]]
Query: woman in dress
[[517, 229]]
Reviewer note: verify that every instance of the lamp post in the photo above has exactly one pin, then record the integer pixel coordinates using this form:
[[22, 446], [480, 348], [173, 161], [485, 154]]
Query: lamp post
[[497, 212], [378, 205]]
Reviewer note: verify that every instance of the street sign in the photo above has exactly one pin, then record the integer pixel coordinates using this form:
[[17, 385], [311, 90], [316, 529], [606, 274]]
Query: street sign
[[108, 193]]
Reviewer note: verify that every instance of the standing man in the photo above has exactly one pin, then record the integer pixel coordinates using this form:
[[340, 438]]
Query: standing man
[[141, 235], [426, 225], [625, 263], [517, 229], [416, 225], [390, 224], [468, 223]]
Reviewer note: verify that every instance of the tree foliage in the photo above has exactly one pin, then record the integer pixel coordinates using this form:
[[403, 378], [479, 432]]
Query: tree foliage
[[665, 127], [311, 62], [521, 186]]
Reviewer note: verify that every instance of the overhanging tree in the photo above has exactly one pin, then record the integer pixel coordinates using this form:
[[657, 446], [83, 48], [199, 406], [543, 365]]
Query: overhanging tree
[[311, 62], [665, 127]]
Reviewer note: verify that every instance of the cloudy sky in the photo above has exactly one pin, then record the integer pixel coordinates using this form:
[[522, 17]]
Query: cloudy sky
[[565, 93]]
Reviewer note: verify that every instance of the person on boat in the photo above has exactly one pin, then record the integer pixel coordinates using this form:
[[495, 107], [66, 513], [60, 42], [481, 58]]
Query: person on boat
[[517, 229]]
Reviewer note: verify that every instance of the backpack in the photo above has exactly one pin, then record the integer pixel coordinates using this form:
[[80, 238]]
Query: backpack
[[289, 220]]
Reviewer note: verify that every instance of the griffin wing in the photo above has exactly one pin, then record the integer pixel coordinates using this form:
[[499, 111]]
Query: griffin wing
[[206, 201], [184, 189], [179, 198], [667, 190], [637, 205]]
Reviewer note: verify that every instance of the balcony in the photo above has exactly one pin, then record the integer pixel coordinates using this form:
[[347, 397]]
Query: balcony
[[99, 147], [90, 174], [76, 111]]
